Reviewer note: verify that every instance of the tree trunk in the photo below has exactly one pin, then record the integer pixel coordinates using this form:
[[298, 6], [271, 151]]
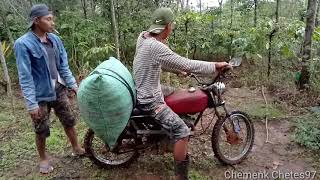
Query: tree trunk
[[6, 77], [194, 51], [30, 2], [220, 10], [93, 7], [187, 5], [84, 7], [187, 39], [317, 15], [231, 24], [200, 6], [270, 50], [115, 28], [277, 11], [182, 4], [255, 12], [231, 16], [307, 45], [118, 20], [177, 7], [271, 35]]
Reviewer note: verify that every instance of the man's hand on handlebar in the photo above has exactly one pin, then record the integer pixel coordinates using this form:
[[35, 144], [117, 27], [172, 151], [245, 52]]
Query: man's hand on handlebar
[[222, 67], [183, 74]]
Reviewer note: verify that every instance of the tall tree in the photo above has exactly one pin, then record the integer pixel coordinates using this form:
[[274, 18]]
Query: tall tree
[[93, 6], [317, 15], [115, 28], [255, 12], [30, 2], [187, 4], [231, 15], [220, 10], [271, 35], [182, 4], [231, 27], [307, 45], [84, 7], [277, 11]]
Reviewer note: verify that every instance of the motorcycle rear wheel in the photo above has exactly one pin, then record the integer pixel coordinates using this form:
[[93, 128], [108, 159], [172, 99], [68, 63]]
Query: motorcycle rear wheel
[[100, 154]]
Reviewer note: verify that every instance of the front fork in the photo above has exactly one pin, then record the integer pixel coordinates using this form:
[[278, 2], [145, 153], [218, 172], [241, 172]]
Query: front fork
[[235, 126]]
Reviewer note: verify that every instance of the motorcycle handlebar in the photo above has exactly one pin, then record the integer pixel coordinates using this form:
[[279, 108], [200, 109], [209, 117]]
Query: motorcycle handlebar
[[233, 63], [220, 74]]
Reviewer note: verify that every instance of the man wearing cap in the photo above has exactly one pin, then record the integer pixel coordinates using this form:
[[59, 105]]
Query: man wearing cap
[[152, 55], [44, 76]]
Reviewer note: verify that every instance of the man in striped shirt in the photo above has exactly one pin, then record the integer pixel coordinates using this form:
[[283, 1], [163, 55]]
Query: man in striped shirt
[[152, 55]]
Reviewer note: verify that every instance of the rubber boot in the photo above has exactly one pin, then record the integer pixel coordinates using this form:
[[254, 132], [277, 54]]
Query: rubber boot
[[181, 169]]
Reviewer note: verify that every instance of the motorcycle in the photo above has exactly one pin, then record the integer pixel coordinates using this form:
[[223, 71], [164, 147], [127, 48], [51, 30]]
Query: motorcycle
[[232, 136]]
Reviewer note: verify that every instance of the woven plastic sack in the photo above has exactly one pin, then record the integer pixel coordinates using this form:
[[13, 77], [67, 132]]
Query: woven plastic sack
[[106, 99]]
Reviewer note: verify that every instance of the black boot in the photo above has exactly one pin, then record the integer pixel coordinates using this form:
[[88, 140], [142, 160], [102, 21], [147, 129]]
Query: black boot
[[181, 168]]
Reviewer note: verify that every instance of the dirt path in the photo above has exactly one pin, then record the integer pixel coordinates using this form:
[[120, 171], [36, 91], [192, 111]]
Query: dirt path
[[281, 155]]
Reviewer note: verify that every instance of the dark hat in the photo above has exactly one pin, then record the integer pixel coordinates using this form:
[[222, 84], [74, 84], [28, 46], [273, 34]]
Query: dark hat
[[37, 10]]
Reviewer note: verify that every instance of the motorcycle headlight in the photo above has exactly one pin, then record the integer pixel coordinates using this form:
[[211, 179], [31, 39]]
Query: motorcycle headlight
[[219, 87]]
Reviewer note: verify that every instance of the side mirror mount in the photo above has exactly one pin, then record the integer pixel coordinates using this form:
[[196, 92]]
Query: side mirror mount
[[235, 62]]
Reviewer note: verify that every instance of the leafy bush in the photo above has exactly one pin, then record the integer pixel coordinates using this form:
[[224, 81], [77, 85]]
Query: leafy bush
[[308, 131]]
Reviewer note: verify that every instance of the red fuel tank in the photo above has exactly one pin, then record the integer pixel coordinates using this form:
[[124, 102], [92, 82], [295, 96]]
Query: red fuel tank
[[185, 102]]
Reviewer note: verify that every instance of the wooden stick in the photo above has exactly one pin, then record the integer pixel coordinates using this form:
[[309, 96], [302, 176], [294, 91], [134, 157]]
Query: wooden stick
[[265, 100]]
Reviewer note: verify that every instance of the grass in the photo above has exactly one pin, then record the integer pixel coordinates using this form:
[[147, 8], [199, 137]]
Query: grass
[[17, 138], [259, 110], [196, 175]]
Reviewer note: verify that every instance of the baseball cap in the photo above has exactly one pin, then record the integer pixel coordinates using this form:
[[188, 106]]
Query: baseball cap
[[37, 10], [160, 18]]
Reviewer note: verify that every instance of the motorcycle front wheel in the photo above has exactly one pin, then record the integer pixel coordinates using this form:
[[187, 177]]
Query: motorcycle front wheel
[[232, 138]]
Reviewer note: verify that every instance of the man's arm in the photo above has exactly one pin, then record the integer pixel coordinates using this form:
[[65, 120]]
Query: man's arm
[[170, 61], [25, 76], [64, 70], [171, 70]]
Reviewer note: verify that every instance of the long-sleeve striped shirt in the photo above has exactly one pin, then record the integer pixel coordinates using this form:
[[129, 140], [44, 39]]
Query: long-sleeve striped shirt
[[152, 56]]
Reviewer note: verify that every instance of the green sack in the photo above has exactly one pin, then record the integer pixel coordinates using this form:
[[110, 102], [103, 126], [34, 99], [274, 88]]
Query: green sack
[[106, 99]]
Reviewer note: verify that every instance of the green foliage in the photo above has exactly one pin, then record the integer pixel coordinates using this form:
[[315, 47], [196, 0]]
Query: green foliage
[[86, 40], [308, 131], [208, 35], [100, 52], [197, 35]]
